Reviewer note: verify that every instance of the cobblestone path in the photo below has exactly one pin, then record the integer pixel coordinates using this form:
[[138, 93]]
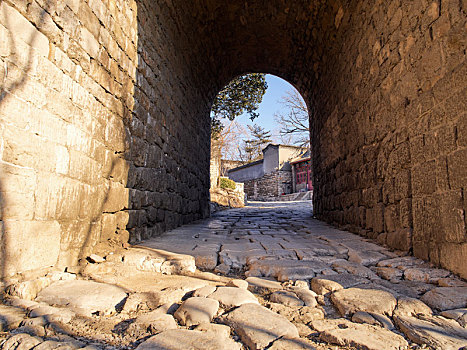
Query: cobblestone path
[[267, 276]]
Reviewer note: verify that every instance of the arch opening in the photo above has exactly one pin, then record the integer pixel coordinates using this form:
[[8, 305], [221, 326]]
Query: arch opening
[[260, 140]]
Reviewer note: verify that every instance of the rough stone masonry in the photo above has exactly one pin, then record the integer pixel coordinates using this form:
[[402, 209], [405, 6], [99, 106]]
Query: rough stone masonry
[[105, 117]]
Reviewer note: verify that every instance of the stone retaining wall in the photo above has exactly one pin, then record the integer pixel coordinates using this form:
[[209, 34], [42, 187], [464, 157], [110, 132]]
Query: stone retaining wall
[[269, 185]]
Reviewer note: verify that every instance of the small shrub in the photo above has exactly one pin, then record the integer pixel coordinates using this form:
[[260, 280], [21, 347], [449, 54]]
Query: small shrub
[[227, 183]]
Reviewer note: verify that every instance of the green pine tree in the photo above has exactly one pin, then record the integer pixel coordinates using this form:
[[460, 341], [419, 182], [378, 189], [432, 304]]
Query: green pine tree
[[253, 147]]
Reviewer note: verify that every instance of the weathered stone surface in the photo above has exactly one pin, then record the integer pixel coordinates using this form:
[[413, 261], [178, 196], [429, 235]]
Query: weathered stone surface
[[151, 322], [346, 280], [389, 273], [365, 257], [349, 301], [373, 319], [291, 344], [286, 298], [364, 317], [204, 291], [84, 297], [145, 301], [308, 314], [196, 310], [435, 331], [220, 330], [10, 317], [41, 251], [354, 269], [263, 285], [231, 296], [159, 260], [445, 298], [323, 286], [425, 274], [411, 307], [52, 313], [345, 333], [459, 315], [187, 339], [21, 341], [451, 282], [285, 270], [403, 262], [306, 295], [238, 283], [258, 326], [96, 258]]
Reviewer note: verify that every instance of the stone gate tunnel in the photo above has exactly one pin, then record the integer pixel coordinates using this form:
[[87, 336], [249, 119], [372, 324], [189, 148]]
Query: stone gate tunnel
[[105, 123]]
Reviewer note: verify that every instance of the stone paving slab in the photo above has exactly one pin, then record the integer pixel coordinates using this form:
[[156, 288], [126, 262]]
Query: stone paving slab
[[188, 339], [86, 297], [304, 277], [345, 333], [258, 326]]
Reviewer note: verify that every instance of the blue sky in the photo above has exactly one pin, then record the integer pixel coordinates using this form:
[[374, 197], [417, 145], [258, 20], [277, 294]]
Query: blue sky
[[277, 88]]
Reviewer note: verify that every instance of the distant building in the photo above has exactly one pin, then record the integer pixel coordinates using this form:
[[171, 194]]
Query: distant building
[[271, 176]]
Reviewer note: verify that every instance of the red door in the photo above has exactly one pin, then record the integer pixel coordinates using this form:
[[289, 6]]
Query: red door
[[309, 185]]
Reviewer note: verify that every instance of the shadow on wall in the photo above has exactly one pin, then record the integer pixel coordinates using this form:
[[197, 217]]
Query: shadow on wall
[[23, 62], [50, 216], [93, 152]]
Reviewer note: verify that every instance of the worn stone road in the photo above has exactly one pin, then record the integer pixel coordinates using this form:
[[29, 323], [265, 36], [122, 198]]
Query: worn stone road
[[271, 278]]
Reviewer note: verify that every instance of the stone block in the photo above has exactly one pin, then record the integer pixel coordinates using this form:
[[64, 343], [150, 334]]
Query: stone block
[[452, 215], [22, 151], [116, 198], [77, 139], [402, 183], [13, 110], [57, 197], [446, 136], [17, 190], [378, 218], [17, 205], [42, 248], [109, 226], [453, 257], [442, 177], [40, 17], [400, 239], [457, 169], [390, 218], [23, 29], [423, 178], [88, 19], [84, 168], [405, 213], [462, 131]]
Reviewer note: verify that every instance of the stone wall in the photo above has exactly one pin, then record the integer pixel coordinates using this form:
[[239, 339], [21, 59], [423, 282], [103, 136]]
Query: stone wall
[[389, 143], [268, 186], [67, 69], [105, 121], [93, 144]]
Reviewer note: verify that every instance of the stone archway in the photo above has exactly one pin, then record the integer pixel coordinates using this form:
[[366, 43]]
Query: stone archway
[[124, 93]]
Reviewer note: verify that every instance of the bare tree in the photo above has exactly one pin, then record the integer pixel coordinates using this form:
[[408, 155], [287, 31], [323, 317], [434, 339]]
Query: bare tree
[[294, 121], [227, 141]]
